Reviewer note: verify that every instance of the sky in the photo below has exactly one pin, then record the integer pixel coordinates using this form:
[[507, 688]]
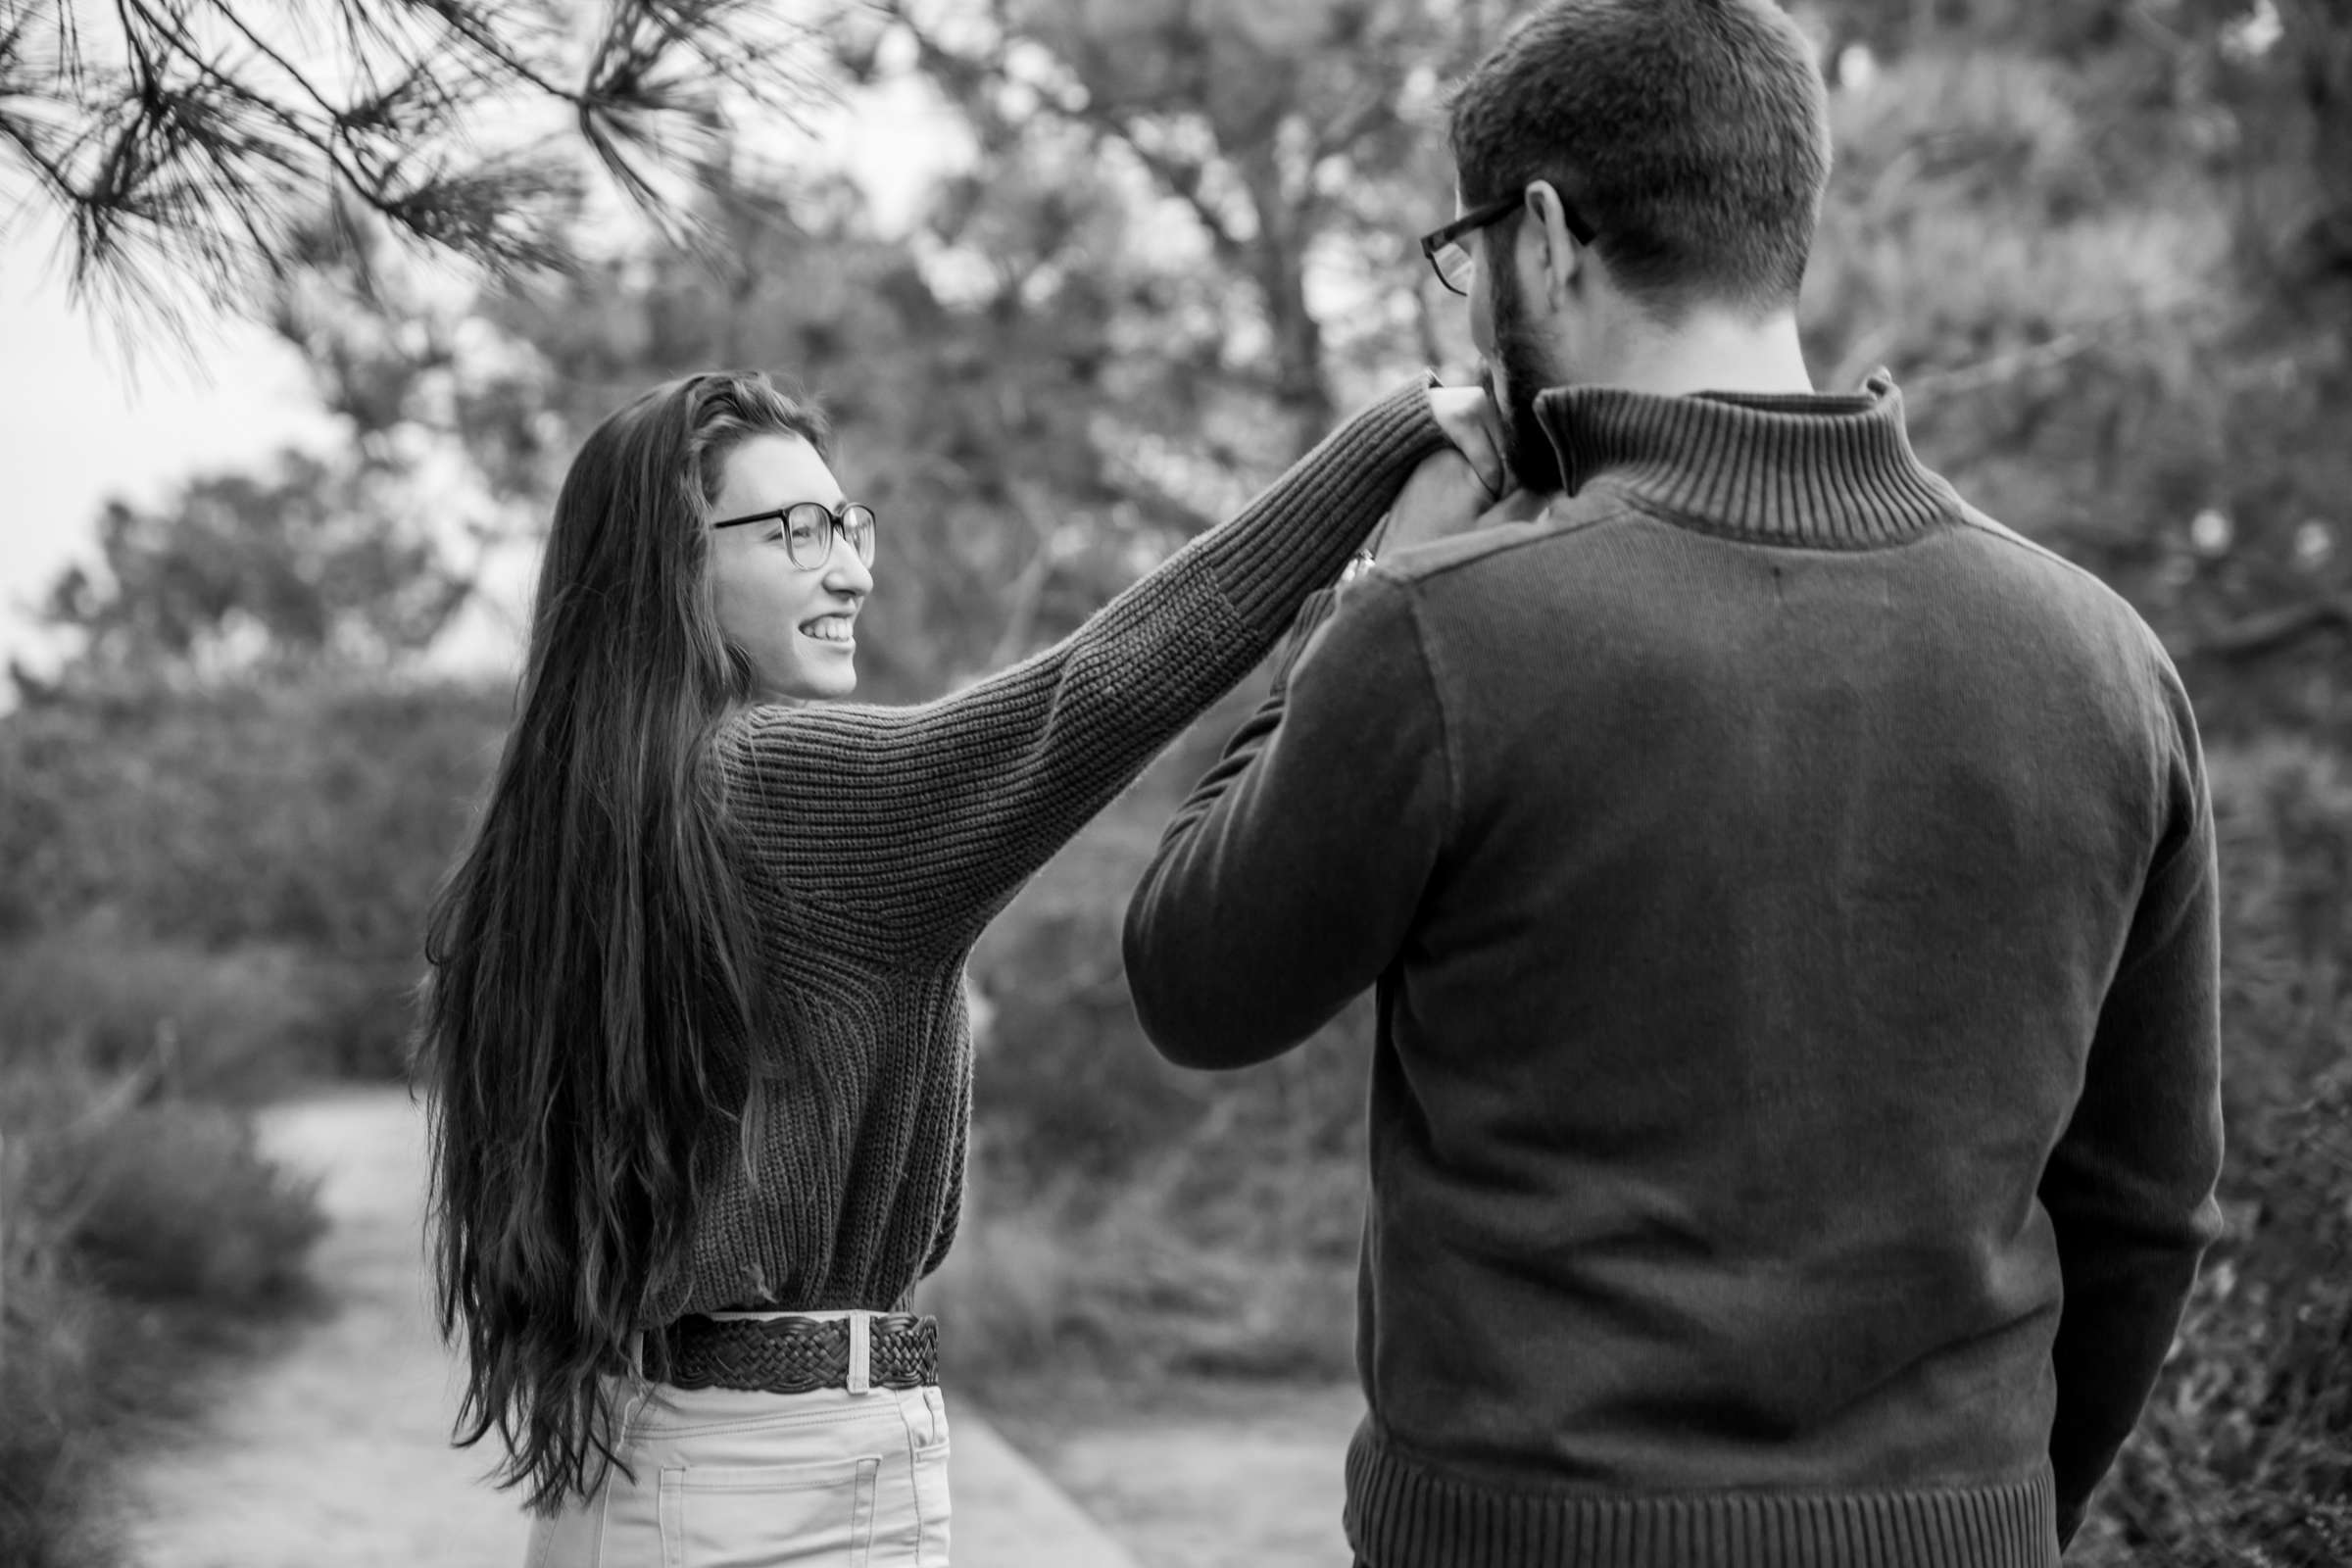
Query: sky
[[82, 420]]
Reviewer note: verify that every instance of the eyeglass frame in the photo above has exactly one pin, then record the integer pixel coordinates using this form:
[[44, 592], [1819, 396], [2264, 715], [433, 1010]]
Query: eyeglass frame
[[837, 518], [1449, 236]]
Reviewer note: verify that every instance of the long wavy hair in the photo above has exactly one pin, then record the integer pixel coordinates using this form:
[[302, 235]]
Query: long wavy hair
[[591, 997]]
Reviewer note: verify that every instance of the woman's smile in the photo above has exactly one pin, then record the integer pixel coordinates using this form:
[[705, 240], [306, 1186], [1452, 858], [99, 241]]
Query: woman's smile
[[833, 628]]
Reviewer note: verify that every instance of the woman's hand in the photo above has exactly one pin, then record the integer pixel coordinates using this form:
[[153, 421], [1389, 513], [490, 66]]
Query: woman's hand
[[1450, 491], [1467, 416]]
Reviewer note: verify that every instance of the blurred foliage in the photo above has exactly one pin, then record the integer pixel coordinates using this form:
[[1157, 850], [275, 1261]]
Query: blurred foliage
[[244, 867], [142, 1238], [2244, 1454], [250, 571], [313, 813], [2104, 245], [173, 1202], [234, 1026]]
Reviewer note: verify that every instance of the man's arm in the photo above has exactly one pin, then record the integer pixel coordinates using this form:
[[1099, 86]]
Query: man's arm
[[2130, 1187], [1287, 882]]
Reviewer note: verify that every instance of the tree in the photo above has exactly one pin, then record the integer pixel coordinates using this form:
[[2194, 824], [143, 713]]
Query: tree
[[246, 574], [187, 143], [1295, 142], [2101, 247]]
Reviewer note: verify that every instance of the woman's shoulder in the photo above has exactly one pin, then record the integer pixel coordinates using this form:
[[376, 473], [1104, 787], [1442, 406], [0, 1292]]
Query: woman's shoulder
[[773, 741]]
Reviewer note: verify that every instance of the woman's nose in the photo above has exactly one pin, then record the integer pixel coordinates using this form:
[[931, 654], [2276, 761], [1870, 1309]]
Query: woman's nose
[[846, 574]]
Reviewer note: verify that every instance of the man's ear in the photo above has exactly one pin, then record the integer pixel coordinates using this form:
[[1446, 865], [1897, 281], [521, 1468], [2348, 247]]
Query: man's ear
[[1561, 255]]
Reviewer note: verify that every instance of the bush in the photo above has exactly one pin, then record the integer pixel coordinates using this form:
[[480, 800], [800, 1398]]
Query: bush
[[318, 816], [52, 1457], [1066, 1282], [175, 1203], [240, 1024], [134, 1239], [227, 1025], [2283, 813], [245, 872], [1126, 1215], [2245, 1453]]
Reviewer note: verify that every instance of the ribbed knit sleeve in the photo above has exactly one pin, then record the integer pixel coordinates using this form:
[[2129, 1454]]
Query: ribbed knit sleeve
[[904, 828]]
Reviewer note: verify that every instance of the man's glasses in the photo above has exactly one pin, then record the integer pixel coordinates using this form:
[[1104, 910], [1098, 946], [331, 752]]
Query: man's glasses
[[810, 527], [1451, 260]]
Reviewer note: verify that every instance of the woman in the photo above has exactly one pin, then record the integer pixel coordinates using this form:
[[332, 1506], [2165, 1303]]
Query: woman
[[694, 1033]]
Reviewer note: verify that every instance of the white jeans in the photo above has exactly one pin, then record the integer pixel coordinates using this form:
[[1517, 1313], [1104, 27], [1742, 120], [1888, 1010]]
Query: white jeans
[[730, 1479]]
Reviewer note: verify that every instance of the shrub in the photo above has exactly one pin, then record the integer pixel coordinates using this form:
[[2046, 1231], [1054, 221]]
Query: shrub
[[175, 1203], [227, 1025], [52, 1473], [2245, 1453], [1065, 1281], [320, 816], [250, 868], [1068, 1086], [240, 1024], [2283, 813], [1125, 1215], [1066, 1083], [130, 1237]]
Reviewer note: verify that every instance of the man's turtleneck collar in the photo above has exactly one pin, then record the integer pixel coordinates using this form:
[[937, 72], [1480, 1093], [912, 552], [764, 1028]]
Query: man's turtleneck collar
[[1832, 470]]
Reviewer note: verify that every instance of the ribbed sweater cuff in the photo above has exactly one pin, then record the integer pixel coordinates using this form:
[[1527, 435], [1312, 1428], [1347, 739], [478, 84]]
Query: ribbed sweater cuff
[[1402, 1514], [1332, 498]]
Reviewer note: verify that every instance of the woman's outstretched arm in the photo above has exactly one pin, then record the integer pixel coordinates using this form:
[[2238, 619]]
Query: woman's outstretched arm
[[902, 828]]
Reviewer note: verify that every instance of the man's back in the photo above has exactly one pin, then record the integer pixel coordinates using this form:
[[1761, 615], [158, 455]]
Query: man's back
[[1775, 832]]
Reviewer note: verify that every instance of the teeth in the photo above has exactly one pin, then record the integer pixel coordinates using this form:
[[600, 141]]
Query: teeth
[[827, 628]]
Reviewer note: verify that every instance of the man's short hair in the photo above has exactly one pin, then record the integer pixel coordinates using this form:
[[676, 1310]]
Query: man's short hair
[[1693, 134]]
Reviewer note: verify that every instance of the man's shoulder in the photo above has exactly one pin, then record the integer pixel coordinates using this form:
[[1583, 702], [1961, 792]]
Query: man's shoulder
[[2001, 534], [2080, 591], [1490, 548]]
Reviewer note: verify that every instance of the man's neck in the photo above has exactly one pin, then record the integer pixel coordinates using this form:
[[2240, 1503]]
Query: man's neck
[[1707, 352]]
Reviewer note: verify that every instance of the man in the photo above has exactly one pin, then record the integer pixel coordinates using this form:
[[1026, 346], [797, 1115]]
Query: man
[[1790, 897]]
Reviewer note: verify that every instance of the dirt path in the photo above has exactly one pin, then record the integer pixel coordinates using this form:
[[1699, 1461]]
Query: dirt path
[[335, 1454], [337, 1451]]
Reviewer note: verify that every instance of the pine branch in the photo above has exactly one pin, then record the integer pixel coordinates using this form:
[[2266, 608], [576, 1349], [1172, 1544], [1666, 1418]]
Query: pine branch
[[197, 154]]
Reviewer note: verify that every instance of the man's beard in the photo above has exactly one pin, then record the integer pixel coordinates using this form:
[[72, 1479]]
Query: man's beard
[[1526, 446]]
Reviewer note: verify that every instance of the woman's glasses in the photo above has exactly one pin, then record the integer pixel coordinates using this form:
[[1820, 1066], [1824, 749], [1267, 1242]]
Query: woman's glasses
[[810, 527]]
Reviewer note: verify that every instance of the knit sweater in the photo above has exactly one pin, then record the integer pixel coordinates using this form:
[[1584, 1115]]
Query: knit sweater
[[1790, 897], [878, 841]]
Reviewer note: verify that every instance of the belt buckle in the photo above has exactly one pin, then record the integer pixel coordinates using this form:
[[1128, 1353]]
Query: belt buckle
[[861, 1353]]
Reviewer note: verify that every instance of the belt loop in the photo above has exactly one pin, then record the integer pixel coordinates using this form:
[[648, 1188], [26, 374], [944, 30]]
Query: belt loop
[[861, 1353]]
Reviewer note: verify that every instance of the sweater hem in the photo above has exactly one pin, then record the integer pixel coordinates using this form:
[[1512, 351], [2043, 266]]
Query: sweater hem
[[1401, 1511]]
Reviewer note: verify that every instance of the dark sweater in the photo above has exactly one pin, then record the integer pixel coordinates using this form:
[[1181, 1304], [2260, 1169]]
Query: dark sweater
[[1790, 901], [878, 841]]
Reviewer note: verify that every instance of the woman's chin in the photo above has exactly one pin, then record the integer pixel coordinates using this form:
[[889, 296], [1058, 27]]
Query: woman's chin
[[838, 681], [811, 680]]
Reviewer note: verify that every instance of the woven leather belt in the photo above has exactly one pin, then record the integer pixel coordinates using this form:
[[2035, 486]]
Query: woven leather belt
[[791, 1355]]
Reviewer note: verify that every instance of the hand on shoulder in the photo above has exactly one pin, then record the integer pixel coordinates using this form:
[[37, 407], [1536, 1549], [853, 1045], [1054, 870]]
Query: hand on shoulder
[[1467, 416], [1452, 491]]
